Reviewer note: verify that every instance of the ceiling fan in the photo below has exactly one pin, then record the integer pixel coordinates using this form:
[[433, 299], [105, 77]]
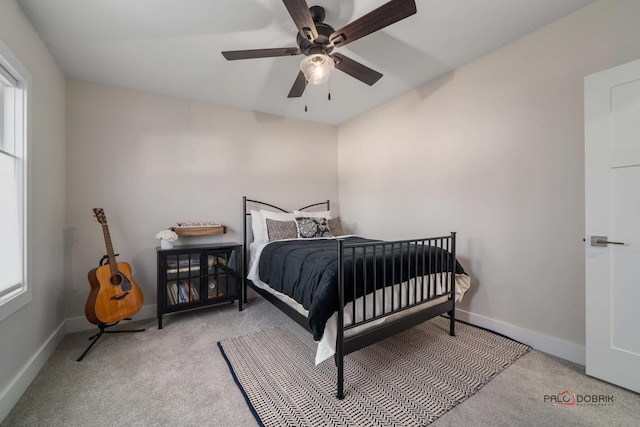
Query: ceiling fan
[[317, 40]]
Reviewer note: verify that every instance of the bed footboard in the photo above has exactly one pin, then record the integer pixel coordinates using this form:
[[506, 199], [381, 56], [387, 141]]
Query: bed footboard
[[404, 284]]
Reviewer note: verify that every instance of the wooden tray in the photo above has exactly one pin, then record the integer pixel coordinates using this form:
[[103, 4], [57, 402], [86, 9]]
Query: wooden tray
[[199, 231]]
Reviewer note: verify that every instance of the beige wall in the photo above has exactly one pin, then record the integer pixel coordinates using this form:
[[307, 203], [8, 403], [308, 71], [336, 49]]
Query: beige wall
[[152, 160], [30, 333], [495, 152]]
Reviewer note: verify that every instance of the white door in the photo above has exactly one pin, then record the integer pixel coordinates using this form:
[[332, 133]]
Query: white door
[[612, 203]]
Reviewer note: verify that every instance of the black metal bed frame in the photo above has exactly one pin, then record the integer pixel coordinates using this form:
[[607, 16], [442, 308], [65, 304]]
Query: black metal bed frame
[[346, 345]]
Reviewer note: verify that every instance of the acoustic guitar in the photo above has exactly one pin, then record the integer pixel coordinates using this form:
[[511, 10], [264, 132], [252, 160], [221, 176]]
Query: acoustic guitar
[[114, 296]]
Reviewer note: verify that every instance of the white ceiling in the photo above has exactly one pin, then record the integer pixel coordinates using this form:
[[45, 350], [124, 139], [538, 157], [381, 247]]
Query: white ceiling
[[173, 47]]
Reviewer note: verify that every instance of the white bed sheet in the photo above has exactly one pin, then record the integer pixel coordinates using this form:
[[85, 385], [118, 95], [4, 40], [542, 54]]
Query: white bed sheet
[[326, 345]]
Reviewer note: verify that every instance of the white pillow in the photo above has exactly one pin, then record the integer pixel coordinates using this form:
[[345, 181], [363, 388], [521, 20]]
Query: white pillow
[[276, 216], [258, 227], [322, 214]]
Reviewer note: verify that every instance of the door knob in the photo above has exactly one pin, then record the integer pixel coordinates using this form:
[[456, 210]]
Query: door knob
[[602, 241]]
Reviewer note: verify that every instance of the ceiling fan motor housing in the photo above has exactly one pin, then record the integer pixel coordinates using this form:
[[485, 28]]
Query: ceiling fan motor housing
[[321, 43]]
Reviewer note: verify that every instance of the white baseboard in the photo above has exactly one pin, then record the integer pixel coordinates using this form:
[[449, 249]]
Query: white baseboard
[[12, 393], [552, 345], [79, 324]]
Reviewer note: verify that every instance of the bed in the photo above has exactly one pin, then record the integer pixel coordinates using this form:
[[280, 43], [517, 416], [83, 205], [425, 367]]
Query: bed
[[348, 291]]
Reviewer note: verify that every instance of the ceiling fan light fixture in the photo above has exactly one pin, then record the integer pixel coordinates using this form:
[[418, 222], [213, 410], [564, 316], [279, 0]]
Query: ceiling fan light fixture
[[317, 68]]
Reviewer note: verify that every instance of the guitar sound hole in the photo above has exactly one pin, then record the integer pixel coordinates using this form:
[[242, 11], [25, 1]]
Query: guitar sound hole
[[120, 280]]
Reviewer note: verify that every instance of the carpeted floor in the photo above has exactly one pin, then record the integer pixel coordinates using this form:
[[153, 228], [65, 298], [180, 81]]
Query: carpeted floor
[[409, 379], [176, 376]]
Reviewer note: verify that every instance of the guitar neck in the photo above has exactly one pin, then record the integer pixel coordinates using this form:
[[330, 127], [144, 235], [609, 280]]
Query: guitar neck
[[110, 253]]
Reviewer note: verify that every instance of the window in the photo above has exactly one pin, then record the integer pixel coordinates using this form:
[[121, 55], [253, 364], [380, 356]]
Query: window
[[14, 81]]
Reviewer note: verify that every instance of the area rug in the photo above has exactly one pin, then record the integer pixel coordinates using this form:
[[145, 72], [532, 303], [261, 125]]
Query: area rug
[[409, 379]]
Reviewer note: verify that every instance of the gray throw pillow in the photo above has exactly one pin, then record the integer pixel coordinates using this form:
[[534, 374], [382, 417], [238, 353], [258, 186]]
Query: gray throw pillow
[[335, 226], [278, 230]]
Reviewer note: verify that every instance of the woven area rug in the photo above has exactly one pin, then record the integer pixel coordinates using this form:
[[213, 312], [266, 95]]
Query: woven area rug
[[408, 379]]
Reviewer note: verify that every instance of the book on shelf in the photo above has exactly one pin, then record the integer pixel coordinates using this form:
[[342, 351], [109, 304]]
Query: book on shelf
[[186, 263], [183, 296], [183, 269], [179, 266], [195, 296], [172, 293]]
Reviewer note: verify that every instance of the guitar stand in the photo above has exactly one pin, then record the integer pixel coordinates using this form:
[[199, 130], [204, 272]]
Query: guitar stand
[[103, 327]]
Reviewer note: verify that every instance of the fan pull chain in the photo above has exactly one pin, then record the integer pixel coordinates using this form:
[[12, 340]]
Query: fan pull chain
[[305, 101], [329, 94]]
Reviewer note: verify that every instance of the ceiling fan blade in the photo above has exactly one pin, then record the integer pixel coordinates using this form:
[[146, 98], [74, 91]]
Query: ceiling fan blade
[[299, 11], [385, 15], [298, 86], [232, 55], [356, 69]]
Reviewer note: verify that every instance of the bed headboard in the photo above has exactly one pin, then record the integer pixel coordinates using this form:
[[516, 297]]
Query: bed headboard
[[246, 213]]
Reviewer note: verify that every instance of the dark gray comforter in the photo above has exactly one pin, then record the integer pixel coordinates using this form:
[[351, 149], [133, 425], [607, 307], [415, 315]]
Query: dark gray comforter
[[307, 271]]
